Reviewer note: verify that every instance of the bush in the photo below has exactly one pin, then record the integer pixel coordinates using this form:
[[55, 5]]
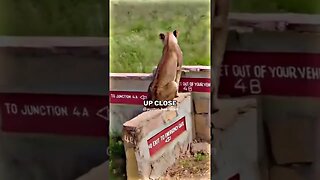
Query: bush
[[135, 28], [117, 163]]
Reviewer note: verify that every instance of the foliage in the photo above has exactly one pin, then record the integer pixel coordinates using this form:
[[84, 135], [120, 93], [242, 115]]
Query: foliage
[[135, 28], [117, 165], [53, 18]]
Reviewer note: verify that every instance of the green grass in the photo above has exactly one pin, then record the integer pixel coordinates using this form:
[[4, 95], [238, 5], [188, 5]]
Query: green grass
[[135, 46], [135, 28], [53, 17], [135, 25], [89, 17], [200, 156], [117, 157]]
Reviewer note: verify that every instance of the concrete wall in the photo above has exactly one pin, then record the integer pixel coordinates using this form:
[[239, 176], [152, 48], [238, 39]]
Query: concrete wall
[[149, 154], [51, 66], [236, 140], [288, 122], [139, 82]]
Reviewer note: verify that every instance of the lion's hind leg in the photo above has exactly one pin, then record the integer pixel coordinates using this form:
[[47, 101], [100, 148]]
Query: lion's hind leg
[[169, 91]]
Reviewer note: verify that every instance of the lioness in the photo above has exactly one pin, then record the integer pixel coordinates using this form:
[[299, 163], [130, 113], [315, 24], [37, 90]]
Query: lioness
[[165, 83]]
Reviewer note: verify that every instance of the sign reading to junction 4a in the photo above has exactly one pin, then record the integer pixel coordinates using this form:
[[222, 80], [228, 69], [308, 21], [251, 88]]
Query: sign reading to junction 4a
[[137, 97], [54, 114], [282, 74]]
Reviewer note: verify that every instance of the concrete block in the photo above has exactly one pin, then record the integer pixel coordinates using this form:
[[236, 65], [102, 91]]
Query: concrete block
[[48, 156], [121, 113], [197, 71], [230, 110], [97, 173], [152, 143], [139, 82], [193, 127], [202, 147], [169, 115], [237, 148], [203, 127], [61, 74], [51, 69], [291, 172], [132, 164], [292, 114], [292, 139], [216, 137], [201, 104]]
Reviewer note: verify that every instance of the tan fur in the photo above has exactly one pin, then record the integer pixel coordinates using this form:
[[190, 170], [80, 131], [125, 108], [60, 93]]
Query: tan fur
[[166, 79]]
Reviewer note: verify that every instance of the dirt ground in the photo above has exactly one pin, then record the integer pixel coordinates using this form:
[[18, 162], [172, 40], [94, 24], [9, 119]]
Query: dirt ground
[[196, 165], [193, 165]]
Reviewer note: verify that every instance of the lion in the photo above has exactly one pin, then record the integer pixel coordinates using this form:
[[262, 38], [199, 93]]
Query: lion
[[166, 79]]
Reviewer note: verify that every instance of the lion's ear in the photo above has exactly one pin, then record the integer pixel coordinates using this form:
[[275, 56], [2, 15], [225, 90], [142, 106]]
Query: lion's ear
[[176, 33], [162, 36]]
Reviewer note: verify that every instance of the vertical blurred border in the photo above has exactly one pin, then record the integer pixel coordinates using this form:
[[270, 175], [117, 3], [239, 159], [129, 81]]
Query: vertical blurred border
[[51, 156]]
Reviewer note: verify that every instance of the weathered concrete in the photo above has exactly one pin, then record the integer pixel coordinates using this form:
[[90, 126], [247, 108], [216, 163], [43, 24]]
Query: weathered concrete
[[279, 33], [297, 172], [291, 123], [140, 163], [139, 82], [120, 114], [276, 21], [292, 139], [202, 147], [237, 149], [98, 173], [37, 156], [201, 101], [59, 66], [231, 109], [202, 104], [62, 74], [202, 126], [274, 33]]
